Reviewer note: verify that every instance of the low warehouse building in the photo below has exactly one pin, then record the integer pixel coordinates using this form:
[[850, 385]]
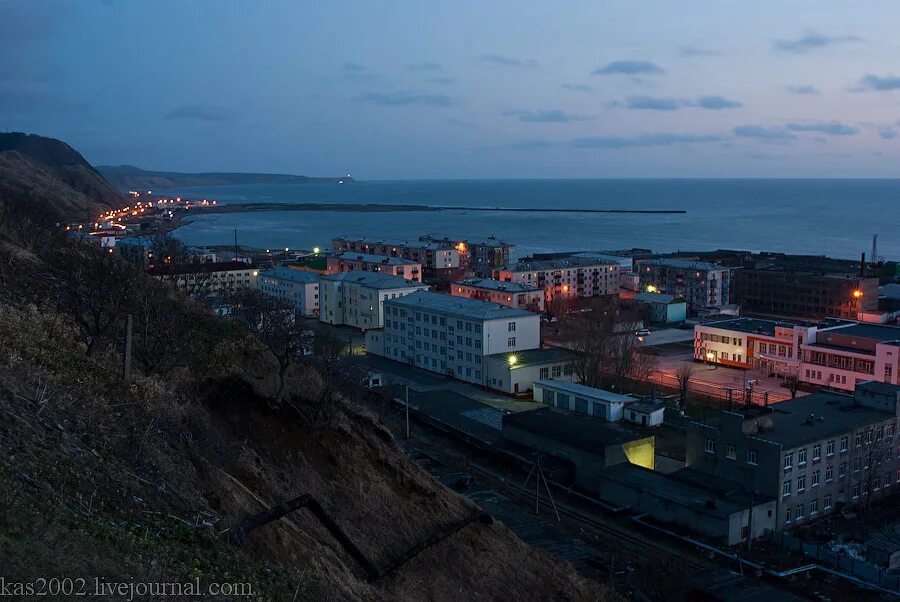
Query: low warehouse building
[[685, 498], [611, 407], [590, 444], [515, 372]]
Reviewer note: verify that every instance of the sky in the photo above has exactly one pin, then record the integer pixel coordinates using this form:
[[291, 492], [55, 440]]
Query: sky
[[464, 89]]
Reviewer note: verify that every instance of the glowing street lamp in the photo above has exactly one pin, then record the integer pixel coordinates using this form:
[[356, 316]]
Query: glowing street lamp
[[857, 294], [316, 250], [512, 361], [652, 289]]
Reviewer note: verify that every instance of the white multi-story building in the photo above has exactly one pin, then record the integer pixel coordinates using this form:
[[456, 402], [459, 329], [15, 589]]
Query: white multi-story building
[[395, 266], [357, 298], [209, 279], [298, 287], [565, 278], [511, 294], [453, 335]]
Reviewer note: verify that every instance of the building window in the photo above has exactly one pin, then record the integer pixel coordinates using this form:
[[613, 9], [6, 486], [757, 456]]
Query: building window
[[786, 488], [556, 371], [844, 443], [545, 373], [815, 478], [842, 470], [511, 342], [826, 503], [710, 446], [817, 452], [800, 512], [856, 489], [801, 484], [801, 459], [829, 474], [787, 515], [511, 327], [788, 460], [752, 457], [731, 452], [829, 448], [858, 439]]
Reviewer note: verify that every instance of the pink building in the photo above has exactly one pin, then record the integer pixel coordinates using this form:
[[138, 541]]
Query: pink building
[[394, 266], [511, 294]]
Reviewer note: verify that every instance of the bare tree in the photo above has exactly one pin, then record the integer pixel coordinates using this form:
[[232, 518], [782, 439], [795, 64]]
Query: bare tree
[[683, 375], [793, 383], [274, 322], [643, 366]]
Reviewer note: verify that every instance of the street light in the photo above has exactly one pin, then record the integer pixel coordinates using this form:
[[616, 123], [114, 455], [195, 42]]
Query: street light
[[316, 250], [857, 294], [512, 360]]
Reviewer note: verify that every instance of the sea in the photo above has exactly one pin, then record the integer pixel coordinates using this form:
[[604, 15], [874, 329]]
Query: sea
[[833, 217]]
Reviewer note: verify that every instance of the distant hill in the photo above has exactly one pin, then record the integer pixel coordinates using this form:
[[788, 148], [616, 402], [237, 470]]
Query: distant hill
[[128, 177], [52, 176]]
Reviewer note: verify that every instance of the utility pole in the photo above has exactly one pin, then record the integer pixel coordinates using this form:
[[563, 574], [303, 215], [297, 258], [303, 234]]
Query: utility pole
[[126, 363]]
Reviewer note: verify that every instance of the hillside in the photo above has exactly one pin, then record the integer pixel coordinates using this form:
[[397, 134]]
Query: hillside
[[127, 177], [150, 479], [51, 177]]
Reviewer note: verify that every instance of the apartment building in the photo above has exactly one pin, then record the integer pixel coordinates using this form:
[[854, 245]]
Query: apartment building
[[208, 279], [358, 298], [479, 257], [807, 295], [699, 283], [765, 345], [453, 335], [569, 278], [438, 259], [300, 288], [511, 294], [395, 266], [814, 454]]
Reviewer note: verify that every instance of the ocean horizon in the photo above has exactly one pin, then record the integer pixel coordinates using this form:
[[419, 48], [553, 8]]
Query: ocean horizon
[[822, 216]]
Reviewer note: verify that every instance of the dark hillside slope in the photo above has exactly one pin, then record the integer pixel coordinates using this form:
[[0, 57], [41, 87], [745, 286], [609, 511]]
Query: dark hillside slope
[[52, 178]]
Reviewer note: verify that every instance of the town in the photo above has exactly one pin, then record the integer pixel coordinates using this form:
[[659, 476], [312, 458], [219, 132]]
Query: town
[[745, 404]]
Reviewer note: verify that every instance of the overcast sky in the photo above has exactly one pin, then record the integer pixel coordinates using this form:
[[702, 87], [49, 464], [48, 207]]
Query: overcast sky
[[462, 89]]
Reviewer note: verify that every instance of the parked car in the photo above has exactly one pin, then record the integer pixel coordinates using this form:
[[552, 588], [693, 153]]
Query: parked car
[[642, 332]]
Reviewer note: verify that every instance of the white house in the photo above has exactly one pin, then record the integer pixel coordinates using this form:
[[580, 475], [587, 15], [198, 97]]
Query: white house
[[516, 372], [298, 287], [452, 335], [357, 298]]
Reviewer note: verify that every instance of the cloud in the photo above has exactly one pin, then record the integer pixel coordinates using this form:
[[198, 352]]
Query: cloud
[[405, 99], [507, 61], [578, 87], [831, 129], [691, 51], [535, 144], [672, 104], [441, 80], [544, 116], [812, 41], [650, 103], [887, 133], [629, 68], [424, 66], [354, 67], [879, 83], [206, 113], [645, 140], [802, 89], [715, 103], [763, 133]]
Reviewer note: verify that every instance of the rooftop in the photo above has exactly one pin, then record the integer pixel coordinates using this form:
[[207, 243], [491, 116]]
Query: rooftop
[[558, 264], [284, 273], [681, 489], [410, 244], [368, 258], [577, 430], [376, 280], [748, 325], [497, 285], [536, 357], [889, 291], [866, 331], [462, 307], [585, 391], [201, 268], [683, 264], [481, 242], [656, 298]]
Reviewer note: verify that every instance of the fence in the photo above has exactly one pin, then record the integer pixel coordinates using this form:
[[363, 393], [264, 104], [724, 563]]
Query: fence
[[737, 395], [862, 569]]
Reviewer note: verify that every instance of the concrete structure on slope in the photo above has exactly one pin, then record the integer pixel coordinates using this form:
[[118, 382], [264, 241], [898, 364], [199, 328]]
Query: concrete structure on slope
[[662, 308], [814, 454], [516, 372], [511, 294], [358, 298], [394, 266], [438, 260], [699, 283], [453, 335], [300, 288], [570, 278]]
